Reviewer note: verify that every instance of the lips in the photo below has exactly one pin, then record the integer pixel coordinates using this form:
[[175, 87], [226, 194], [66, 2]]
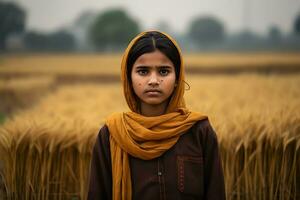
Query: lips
[[153, 92]]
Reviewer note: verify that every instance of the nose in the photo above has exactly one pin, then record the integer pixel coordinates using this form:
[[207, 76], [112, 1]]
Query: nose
[[153, 80]]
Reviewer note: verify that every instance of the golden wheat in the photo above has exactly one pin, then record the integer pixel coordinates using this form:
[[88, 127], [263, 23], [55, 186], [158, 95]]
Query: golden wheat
[[241, 60], [257, 119], [29, 83], [60, 64], [19, 93], [46, 150]]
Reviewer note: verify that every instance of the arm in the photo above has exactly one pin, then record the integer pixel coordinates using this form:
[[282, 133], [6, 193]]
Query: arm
[[100, 171], [213, 172]]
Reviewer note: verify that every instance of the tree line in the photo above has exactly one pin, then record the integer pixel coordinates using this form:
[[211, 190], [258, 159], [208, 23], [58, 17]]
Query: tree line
[[113, 29]]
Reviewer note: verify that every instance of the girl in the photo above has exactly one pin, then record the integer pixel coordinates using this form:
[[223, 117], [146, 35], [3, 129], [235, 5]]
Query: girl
[[159, 150]]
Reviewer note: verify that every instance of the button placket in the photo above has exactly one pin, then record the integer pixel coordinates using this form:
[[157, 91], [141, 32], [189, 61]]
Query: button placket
[[161, 179], [181, 174]]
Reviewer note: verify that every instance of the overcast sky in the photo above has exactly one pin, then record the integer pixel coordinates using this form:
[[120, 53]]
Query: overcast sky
[[48, 15]]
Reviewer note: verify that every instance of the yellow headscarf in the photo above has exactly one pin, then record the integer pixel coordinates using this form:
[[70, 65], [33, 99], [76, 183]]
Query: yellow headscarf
[[144, 137]]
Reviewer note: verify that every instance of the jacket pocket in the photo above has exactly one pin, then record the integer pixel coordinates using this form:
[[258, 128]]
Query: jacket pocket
[[190, 175]]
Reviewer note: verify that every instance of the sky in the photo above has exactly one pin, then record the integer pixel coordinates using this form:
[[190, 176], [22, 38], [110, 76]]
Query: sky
[[257, 15]]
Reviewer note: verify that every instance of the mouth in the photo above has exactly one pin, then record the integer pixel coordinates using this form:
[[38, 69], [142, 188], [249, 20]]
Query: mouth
[[153, 92]]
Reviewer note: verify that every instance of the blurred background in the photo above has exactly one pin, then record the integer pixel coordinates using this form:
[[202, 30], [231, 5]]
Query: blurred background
[[60, 78], [107, 26]]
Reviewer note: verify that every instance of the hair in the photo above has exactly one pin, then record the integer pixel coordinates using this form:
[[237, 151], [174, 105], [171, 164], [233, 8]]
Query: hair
[[150, 42]]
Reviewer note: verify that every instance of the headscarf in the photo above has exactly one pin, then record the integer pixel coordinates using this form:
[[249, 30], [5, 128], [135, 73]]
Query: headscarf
[[145, 137]]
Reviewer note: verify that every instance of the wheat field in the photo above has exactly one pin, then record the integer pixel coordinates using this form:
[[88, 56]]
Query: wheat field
[[46, 148]]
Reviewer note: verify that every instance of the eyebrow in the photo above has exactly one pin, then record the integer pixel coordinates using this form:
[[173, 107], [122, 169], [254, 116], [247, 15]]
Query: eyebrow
[[148, 66]]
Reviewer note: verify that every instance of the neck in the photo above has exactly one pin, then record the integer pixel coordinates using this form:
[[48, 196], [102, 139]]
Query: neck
[[153, 110]]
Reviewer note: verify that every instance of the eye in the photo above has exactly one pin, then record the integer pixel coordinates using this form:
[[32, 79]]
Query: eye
[[142, 72], [164, 72]]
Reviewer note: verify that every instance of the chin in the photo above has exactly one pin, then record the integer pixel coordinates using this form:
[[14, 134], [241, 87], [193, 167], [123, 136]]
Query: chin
[[154, 102]]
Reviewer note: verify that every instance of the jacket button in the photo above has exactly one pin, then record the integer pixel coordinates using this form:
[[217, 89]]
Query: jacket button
[[159, 173]]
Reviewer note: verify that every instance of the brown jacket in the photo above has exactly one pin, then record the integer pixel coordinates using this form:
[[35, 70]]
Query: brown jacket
[[191, 169]]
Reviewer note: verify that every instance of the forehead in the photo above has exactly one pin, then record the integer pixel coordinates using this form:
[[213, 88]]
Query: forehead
[[153, 58]]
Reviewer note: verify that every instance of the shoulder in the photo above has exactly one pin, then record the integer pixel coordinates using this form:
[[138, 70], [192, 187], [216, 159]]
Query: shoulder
[[104, 130], [204, 131], [204, 126], [103, 135], [102, 144]]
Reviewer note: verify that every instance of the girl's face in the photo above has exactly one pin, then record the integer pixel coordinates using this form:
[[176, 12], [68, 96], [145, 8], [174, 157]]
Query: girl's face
[[153, 78]]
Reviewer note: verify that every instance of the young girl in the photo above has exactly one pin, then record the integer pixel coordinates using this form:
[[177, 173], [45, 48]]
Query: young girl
[[159, 150]]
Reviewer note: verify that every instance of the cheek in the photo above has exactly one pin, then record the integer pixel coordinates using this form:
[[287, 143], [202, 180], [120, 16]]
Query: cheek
[[134, 80], [170, 82], [136, 84]]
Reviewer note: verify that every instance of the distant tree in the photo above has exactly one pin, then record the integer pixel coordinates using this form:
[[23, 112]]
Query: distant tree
[[274, 33], [113, 29], [206, 30], [247, 35], [57, 41], [297, 25], [61, 41], [12, 20], [35, 41], [246, 40]]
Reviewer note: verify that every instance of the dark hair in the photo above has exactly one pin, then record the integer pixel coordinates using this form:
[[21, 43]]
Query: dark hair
[[150, 42]]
